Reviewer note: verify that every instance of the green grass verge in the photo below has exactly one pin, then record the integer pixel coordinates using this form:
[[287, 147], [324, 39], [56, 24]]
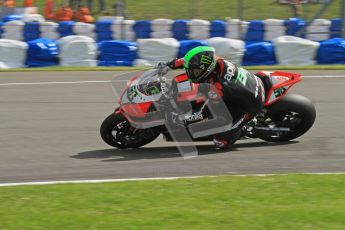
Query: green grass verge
[[276, 67], [186, 9], [225, 202]]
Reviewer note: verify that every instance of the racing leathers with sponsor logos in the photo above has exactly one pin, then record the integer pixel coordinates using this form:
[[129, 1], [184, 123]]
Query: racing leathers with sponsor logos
[[242, 92]]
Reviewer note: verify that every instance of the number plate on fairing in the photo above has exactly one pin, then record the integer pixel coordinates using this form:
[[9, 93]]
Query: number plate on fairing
[[281, 83]]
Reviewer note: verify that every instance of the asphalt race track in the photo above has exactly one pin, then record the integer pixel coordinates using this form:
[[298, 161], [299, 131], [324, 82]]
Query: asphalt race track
[[49, 130]]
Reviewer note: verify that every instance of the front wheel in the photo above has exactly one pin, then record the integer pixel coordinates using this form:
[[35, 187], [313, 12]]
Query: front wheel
[[116, 131], [295, 112]]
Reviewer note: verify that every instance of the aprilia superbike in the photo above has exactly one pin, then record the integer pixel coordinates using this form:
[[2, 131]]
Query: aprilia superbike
[[285, 117]]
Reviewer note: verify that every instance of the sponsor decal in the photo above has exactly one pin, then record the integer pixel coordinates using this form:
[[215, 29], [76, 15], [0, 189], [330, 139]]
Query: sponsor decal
[[230, 71], [242, 76], [205, 60], [194, 117], [132, 92], [280, 91]]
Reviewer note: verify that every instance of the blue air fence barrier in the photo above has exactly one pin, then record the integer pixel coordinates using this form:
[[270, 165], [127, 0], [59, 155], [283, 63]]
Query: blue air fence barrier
[[180, 29], [31, 31], [142, 29], [218, 28], [331, 51], [255, 32], [65, 28], [335, 28], [104, 36], [11, 17], [187, 45], [1, 29], [261, 53], [116, 63], [117, 53], [293, 25], [42, 52], [256, 25], [103, 26], [103, 30]]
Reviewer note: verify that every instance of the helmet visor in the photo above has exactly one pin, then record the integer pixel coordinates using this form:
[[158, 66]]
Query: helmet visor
[[195, 73]]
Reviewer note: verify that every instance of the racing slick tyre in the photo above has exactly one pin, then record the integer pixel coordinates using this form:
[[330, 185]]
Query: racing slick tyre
[[116, 131], [295, 112]]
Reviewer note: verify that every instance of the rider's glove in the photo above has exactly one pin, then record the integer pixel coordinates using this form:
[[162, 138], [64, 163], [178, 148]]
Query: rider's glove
[[162, 68], [175, 63], [171, 64]]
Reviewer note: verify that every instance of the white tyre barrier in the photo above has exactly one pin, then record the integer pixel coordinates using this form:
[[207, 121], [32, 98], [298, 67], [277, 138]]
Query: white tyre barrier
[[161, 34], [77, 50], [48, 27], [292, 50], [157, 50], [83, 28], [273, 28], [127, 36], [33, 18], [199, 29], [122, 25], [161, 24], [236, 29], [13, 54], [319, 30], [50, 35], [229, 49], [14, 26]]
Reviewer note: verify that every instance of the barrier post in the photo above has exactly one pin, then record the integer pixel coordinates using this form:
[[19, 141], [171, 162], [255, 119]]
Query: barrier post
[[240, 16]]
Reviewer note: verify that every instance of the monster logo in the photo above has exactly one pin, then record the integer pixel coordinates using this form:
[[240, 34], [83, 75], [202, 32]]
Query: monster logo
[[205, 60]]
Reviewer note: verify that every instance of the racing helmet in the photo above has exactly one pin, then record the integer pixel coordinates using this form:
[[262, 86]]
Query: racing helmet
[[199, 63]]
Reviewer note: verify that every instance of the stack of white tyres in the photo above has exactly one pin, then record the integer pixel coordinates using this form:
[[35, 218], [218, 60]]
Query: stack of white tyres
[[236, 29], [48, 30], [13, 30], [33, 18], [292, 50], [319, 30], [77, 50], [161, 28], [123, 30], [229, 49], [273, 28], [199, 29], [13, 54], [85, 29], [152, 51]]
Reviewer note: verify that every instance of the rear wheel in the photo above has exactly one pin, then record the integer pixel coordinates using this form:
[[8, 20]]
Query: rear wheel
[[295, 112], [118, 132]]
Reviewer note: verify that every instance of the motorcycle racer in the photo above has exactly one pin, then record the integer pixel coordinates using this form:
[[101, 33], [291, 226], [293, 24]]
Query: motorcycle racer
[[242, 92]]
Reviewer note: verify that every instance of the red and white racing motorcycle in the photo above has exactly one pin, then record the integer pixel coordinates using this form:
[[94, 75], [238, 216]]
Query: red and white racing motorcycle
[[286, 117]]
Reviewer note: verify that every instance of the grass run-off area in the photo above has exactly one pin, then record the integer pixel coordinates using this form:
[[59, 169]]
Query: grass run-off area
[[292, 201], [206, 9], [98, 68]]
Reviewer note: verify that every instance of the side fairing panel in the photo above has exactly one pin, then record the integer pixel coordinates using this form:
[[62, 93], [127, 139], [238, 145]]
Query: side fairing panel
[[281, 83]]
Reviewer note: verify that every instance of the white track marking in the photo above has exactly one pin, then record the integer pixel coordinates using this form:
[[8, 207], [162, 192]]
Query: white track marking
[[157, 178], [335, 76], [109, 81]]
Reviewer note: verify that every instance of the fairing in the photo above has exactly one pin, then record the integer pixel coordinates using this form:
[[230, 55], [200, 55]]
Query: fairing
[[281, 83], [135, 102]]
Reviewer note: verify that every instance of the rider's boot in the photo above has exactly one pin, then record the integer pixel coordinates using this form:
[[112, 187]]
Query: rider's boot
[[225, 140]]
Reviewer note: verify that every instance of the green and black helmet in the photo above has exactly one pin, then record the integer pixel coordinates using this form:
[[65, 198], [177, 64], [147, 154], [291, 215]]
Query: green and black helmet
[[199, 63]]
